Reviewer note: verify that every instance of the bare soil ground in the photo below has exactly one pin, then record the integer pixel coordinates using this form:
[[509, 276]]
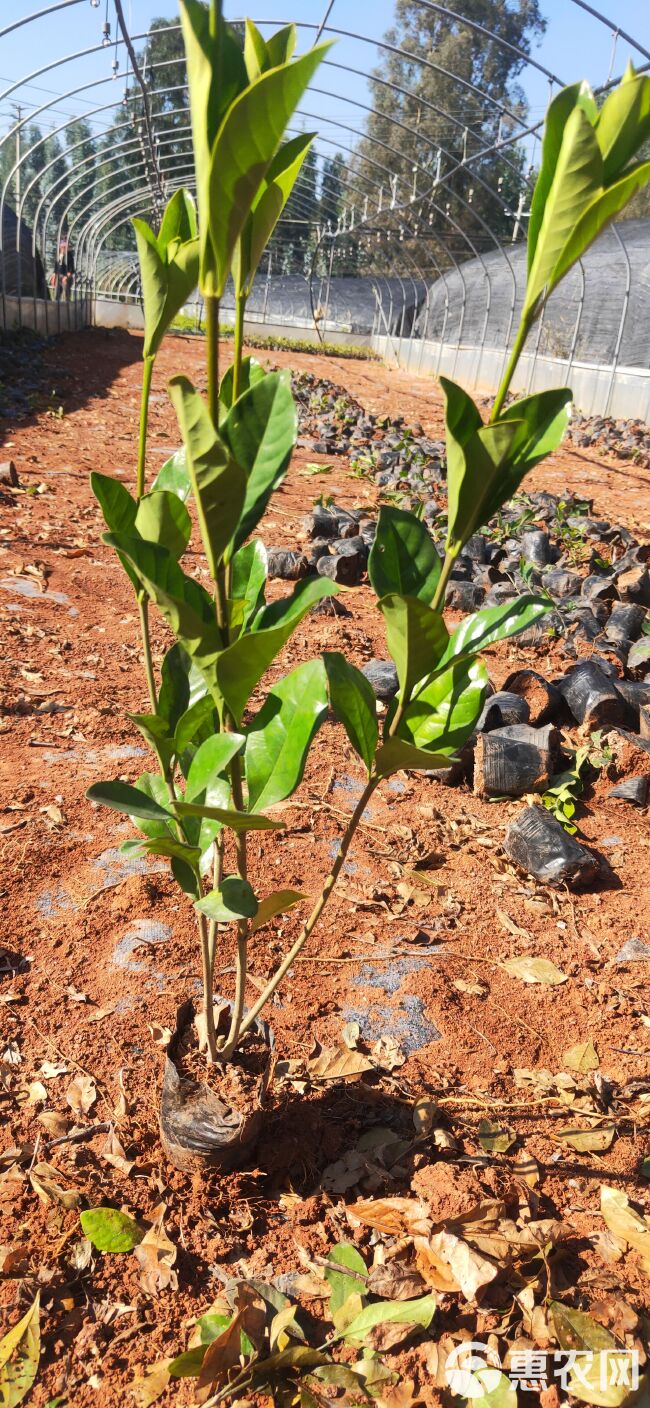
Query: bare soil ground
[[101, 951]]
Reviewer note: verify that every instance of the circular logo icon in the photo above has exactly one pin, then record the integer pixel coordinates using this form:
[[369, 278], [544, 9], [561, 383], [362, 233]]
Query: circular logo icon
[[472, 1370]]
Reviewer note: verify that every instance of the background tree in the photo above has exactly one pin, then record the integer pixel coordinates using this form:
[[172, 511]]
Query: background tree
[[462, 99]]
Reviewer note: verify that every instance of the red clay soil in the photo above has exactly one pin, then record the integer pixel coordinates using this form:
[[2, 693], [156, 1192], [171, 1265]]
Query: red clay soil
[[102, 952]]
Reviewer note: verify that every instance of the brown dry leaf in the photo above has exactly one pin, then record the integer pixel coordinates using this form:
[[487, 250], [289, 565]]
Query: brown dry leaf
[[101, 1012], [527, 1167], [511, 928], [475, 989], [156, 1256], [55, 1123], [534, 970], [51, 1069], [153, 1384], [43, 1180], [75, 995], [582, 1057], [470, 1270], [122, 1107], [161, 1035], [326, 1064], [434, 1271], [223, 1354], [36, 1093], [402, 1395], [627, 1225], [81, 1094], [424, 1113], [396, 1280], [592, 1140], [113, 1152], [392, 1216], [351, 1033], [387, 1054]]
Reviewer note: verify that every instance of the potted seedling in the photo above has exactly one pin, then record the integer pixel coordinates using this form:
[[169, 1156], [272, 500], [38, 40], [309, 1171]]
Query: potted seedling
[[222, 764]]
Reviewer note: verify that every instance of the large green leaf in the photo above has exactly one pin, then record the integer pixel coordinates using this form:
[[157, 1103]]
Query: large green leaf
[[250, 372], [396, 754], [291, 609], [208, 785], [185, 606], [281, 734], [623, 123], [163, 518], [155, 730], [235, 899], [445, 710], [228, 816], [260, 430], [195, 725], [392, 1312], [403, 557], [129, 800], [543, 419], [353, 704], [154, 787], [248, 580], [342, 1285], [218, 482], [181, 686], [576, 178], [477, 464], [416, 637], [492, 624], [173, 476], [215, 73], [558, 111], [110, 1230], [245, 146], [117, 504]]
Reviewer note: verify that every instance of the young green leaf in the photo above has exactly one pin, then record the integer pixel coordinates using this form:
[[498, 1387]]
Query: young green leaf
[[244, 149], [494, 623], [154, 787], [129, 800], [218, 483], [248, 579], [557, 113], [278, 903], [353, 704], [281, 734], [117, 504], [163, 518], [342, 1285], [445, 709], [416, 637], [208, 785], [110, 1230], [267, 208], [181, 686], [250, 372], [260, 431], [403, 557], [241, 665], [173, 476], [169, 267], [289, 610], [234, 899], [195, 725]]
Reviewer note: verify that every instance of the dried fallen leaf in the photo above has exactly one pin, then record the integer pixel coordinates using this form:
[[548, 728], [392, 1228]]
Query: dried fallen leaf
[[51, 1069], [151, 1386], [156, 1256], [19, 1355], [161, 1035], [36, 1093], [392, 1216], [121, 1104], [581, 1058], [387, 1054], [424, 1113], [534, 970], [627, 1225], [223, 1354], [343, 1064], [470, 1270], [592, 1140], [495, 1138], [113, 1152], [55, 1123], [43, 1180], [81, 1094]]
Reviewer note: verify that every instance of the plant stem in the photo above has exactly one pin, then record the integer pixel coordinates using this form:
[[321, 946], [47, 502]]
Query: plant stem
[[447, 568], [522, 334], [212, 356], [208, 994], [147, 373], [240, 309], [143, 611], [319, 906]]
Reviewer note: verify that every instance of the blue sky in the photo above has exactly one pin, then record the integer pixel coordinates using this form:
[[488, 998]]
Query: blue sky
[[575, 46]]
